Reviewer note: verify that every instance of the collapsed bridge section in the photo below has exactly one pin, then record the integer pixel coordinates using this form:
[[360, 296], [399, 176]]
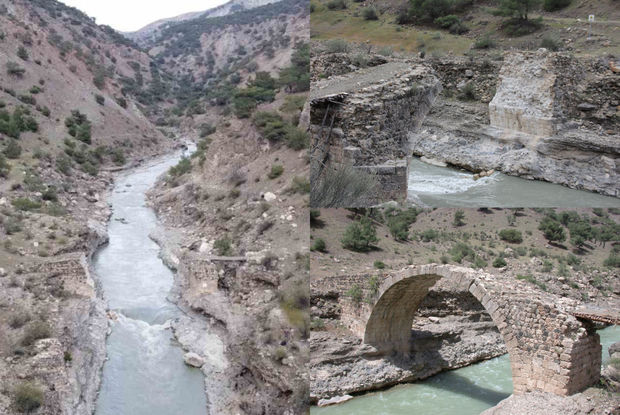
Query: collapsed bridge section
[[362, 120]]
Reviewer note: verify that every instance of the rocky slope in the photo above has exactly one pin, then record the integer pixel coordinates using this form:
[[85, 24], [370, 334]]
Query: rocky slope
[[562, 130], [147, 36], [55, 168], [241, 255]]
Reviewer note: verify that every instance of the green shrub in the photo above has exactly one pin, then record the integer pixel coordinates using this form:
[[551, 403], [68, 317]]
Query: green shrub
[[452, 23], [359, 236], [223, 246], [100, 99], [337, 46], [369, 13], [356, 293], [547, 266], [79, 127], [550, 43], [484, 42], [271, 126], [399, 222], [26, 204], [22, 53], [468, 93], [459, 217], [300, 184], [319, 245], [276, 171], [336, 5], [12, 150], [5, 168], [552, 229], [479, 263], [379, 264], [499, 262], [461, 250], [206, 129], [183, 166], [296, 139], [14, 69], [511, 235], [553, 5], [35, 331], [28, 397], [613, 261], [429, 235], [121, 101]]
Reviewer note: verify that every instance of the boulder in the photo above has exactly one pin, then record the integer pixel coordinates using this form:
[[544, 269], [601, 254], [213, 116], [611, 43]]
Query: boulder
[[193, 359]]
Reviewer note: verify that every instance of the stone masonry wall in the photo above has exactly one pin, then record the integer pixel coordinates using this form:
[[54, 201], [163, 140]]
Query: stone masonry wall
[[550, 350]]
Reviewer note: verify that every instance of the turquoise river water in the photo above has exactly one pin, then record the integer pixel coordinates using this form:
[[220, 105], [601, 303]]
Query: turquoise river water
[[466, 391]]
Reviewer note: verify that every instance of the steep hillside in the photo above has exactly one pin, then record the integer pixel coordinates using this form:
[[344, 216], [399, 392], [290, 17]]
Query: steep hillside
[[149, 33], [72, 107]]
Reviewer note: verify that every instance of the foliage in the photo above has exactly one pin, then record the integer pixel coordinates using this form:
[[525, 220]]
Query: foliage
[[14, 69], [356, 293], [429, 235], [451, 23], [223, 246], [370, 13], [360, 236], [499, 262], [319, 245], [337, 46], [550, 43], [344, 186], [271, 125], [35, 331], [5, 168], [17, 122], [519, 9], [28, 397], [511, 235], [484, 42], [459, 217], [552, 230], [336, 5], [468, 93], [553, 5], [12, 150], [22, 53], [79, 127], [276, 171], [379, 264], [206, 129], [300, 184], [398, 223], [296, 78], [100, 99], [183, 166], [461, 250]]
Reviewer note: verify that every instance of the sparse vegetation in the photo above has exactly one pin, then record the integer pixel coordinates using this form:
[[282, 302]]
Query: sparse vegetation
[[79, 127], [513, 236], [360, 236], [276, 171], [223, 246], [28, 397]]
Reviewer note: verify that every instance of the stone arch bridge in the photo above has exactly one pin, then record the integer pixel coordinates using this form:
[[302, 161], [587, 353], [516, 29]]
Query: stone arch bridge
[[552, 348]]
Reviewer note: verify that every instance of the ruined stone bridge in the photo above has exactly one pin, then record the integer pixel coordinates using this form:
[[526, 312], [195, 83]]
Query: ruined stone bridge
[[550, 349]]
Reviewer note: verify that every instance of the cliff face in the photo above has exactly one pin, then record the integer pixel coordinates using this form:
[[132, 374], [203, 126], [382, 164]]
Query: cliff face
[[551, 119]]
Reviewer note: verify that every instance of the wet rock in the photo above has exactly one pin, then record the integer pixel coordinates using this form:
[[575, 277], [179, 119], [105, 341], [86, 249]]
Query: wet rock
[[335, 400], [192, 359]]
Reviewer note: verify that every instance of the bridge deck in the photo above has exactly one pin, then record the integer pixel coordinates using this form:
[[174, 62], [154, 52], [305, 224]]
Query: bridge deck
[[357, 80], [597, 314]]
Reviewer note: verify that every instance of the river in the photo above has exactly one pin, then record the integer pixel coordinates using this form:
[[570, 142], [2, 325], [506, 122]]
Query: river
[[144, 373], [450, 187], [466, 391]]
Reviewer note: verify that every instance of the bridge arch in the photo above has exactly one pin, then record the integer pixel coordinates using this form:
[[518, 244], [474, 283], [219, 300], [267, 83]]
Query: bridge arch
[[550, 350]]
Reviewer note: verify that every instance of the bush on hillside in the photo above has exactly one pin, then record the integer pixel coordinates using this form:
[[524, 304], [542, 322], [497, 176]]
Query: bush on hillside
[[336, 4], [369, 13], [359, 236], [511, 235], [28, 397], [553, 5], [79, 127]]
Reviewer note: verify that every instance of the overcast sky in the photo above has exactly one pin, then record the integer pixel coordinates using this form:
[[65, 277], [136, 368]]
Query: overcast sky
[[131, 15]]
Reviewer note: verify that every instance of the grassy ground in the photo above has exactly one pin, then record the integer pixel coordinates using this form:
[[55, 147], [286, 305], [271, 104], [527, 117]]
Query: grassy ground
[[569, 26]]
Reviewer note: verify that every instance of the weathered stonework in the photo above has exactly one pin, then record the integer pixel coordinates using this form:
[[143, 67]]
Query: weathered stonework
[[362, 119], [550, 350]]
